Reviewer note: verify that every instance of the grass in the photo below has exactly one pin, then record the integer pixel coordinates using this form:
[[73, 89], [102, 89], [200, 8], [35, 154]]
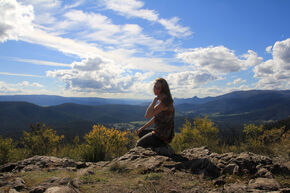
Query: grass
[[153, 176], [116, 167], [284, 180], [36, 177]]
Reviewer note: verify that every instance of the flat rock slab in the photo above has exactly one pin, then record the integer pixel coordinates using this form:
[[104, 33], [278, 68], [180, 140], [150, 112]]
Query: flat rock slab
[[264, 184]]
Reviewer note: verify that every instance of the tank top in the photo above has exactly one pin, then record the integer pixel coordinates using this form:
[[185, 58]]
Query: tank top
[[164, 125]]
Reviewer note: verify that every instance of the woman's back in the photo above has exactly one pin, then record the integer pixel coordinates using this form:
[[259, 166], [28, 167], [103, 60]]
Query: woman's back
[[164, 125]]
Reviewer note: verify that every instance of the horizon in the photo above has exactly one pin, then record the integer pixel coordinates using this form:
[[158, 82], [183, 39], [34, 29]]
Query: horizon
[[135, 98], [115, 49]]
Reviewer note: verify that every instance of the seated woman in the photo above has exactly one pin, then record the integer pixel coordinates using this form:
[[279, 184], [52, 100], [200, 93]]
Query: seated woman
[[162, 116]]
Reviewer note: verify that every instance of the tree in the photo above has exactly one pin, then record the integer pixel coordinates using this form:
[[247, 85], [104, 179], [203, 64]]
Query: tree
[[6, 147]]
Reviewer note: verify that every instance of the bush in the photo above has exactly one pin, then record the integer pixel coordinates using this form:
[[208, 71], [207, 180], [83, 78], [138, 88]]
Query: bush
[[42, 140], [104, 144], [201, 133]]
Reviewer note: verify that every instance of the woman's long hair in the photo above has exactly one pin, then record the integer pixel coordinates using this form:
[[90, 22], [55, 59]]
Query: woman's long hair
[[168, 101]]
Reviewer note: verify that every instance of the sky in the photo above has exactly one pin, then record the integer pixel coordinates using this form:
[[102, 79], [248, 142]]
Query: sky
[[117, 48]]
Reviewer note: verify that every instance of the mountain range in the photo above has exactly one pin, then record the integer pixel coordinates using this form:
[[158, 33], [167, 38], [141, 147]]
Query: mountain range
[[75, 115]]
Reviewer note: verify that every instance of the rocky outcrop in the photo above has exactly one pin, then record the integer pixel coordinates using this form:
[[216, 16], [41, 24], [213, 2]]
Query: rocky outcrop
[[259, 170]]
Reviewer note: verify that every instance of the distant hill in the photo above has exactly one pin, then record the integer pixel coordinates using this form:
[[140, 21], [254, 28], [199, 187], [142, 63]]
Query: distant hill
[[229, 112], [49, 100], [17, 116], [234, 109]]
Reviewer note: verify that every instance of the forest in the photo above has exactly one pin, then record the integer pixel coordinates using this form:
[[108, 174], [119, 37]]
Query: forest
[[102, 143]]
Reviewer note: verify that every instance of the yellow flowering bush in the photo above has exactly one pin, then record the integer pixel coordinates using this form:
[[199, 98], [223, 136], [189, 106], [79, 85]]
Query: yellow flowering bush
[[202, 132], [41, 140], [104, 144]]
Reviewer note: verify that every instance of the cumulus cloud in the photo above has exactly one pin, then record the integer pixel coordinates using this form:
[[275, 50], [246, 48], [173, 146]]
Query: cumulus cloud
[[269, 49], [189, 79], [97, 74], [15, 19], [275, 73], [133, 8], [219, 59]]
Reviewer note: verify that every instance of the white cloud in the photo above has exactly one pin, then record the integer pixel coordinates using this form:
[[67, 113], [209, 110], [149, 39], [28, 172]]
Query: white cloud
[[239, 81], [174, 28], [24, 87], [133, 8], [28, 84], [65, 45], [269, 49], [43, 4], [17, 74], [275, 73], [97, 27], [218, 59], [98, 75], [41, 62], [7, 89], [15, 19], [189, 79]]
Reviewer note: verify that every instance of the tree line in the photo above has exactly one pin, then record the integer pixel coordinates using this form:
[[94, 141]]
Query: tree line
[[102, 143]]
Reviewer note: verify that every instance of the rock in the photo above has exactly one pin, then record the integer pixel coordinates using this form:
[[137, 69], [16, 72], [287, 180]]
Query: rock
[[18, 184], [164, 150], [38, 189], [263, 172], [203, 166], [13, 191], [8, 167], [86, 171], [285, 190], [235, 188], [75, 182], [219, 182], [200, 152], [264, 184], [231, 169], [61, 189]]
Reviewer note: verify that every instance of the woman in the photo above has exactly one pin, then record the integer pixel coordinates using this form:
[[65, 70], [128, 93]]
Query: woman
[[162, 116]]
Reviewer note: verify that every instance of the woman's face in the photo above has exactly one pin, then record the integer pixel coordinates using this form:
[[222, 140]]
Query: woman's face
[[157, 88]]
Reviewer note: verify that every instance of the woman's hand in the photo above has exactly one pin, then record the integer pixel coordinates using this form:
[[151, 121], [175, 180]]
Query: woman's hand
[[155, 100]]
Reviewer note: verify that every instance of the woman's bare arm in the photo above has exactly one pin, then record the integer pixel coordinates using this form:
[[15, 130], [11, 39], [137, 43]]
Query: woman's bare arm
[[154, 109], [148, 124]]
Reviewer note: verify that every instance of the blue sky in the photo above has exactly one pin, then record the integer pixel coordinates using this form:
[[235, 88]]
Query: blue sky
[[117, 48]]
